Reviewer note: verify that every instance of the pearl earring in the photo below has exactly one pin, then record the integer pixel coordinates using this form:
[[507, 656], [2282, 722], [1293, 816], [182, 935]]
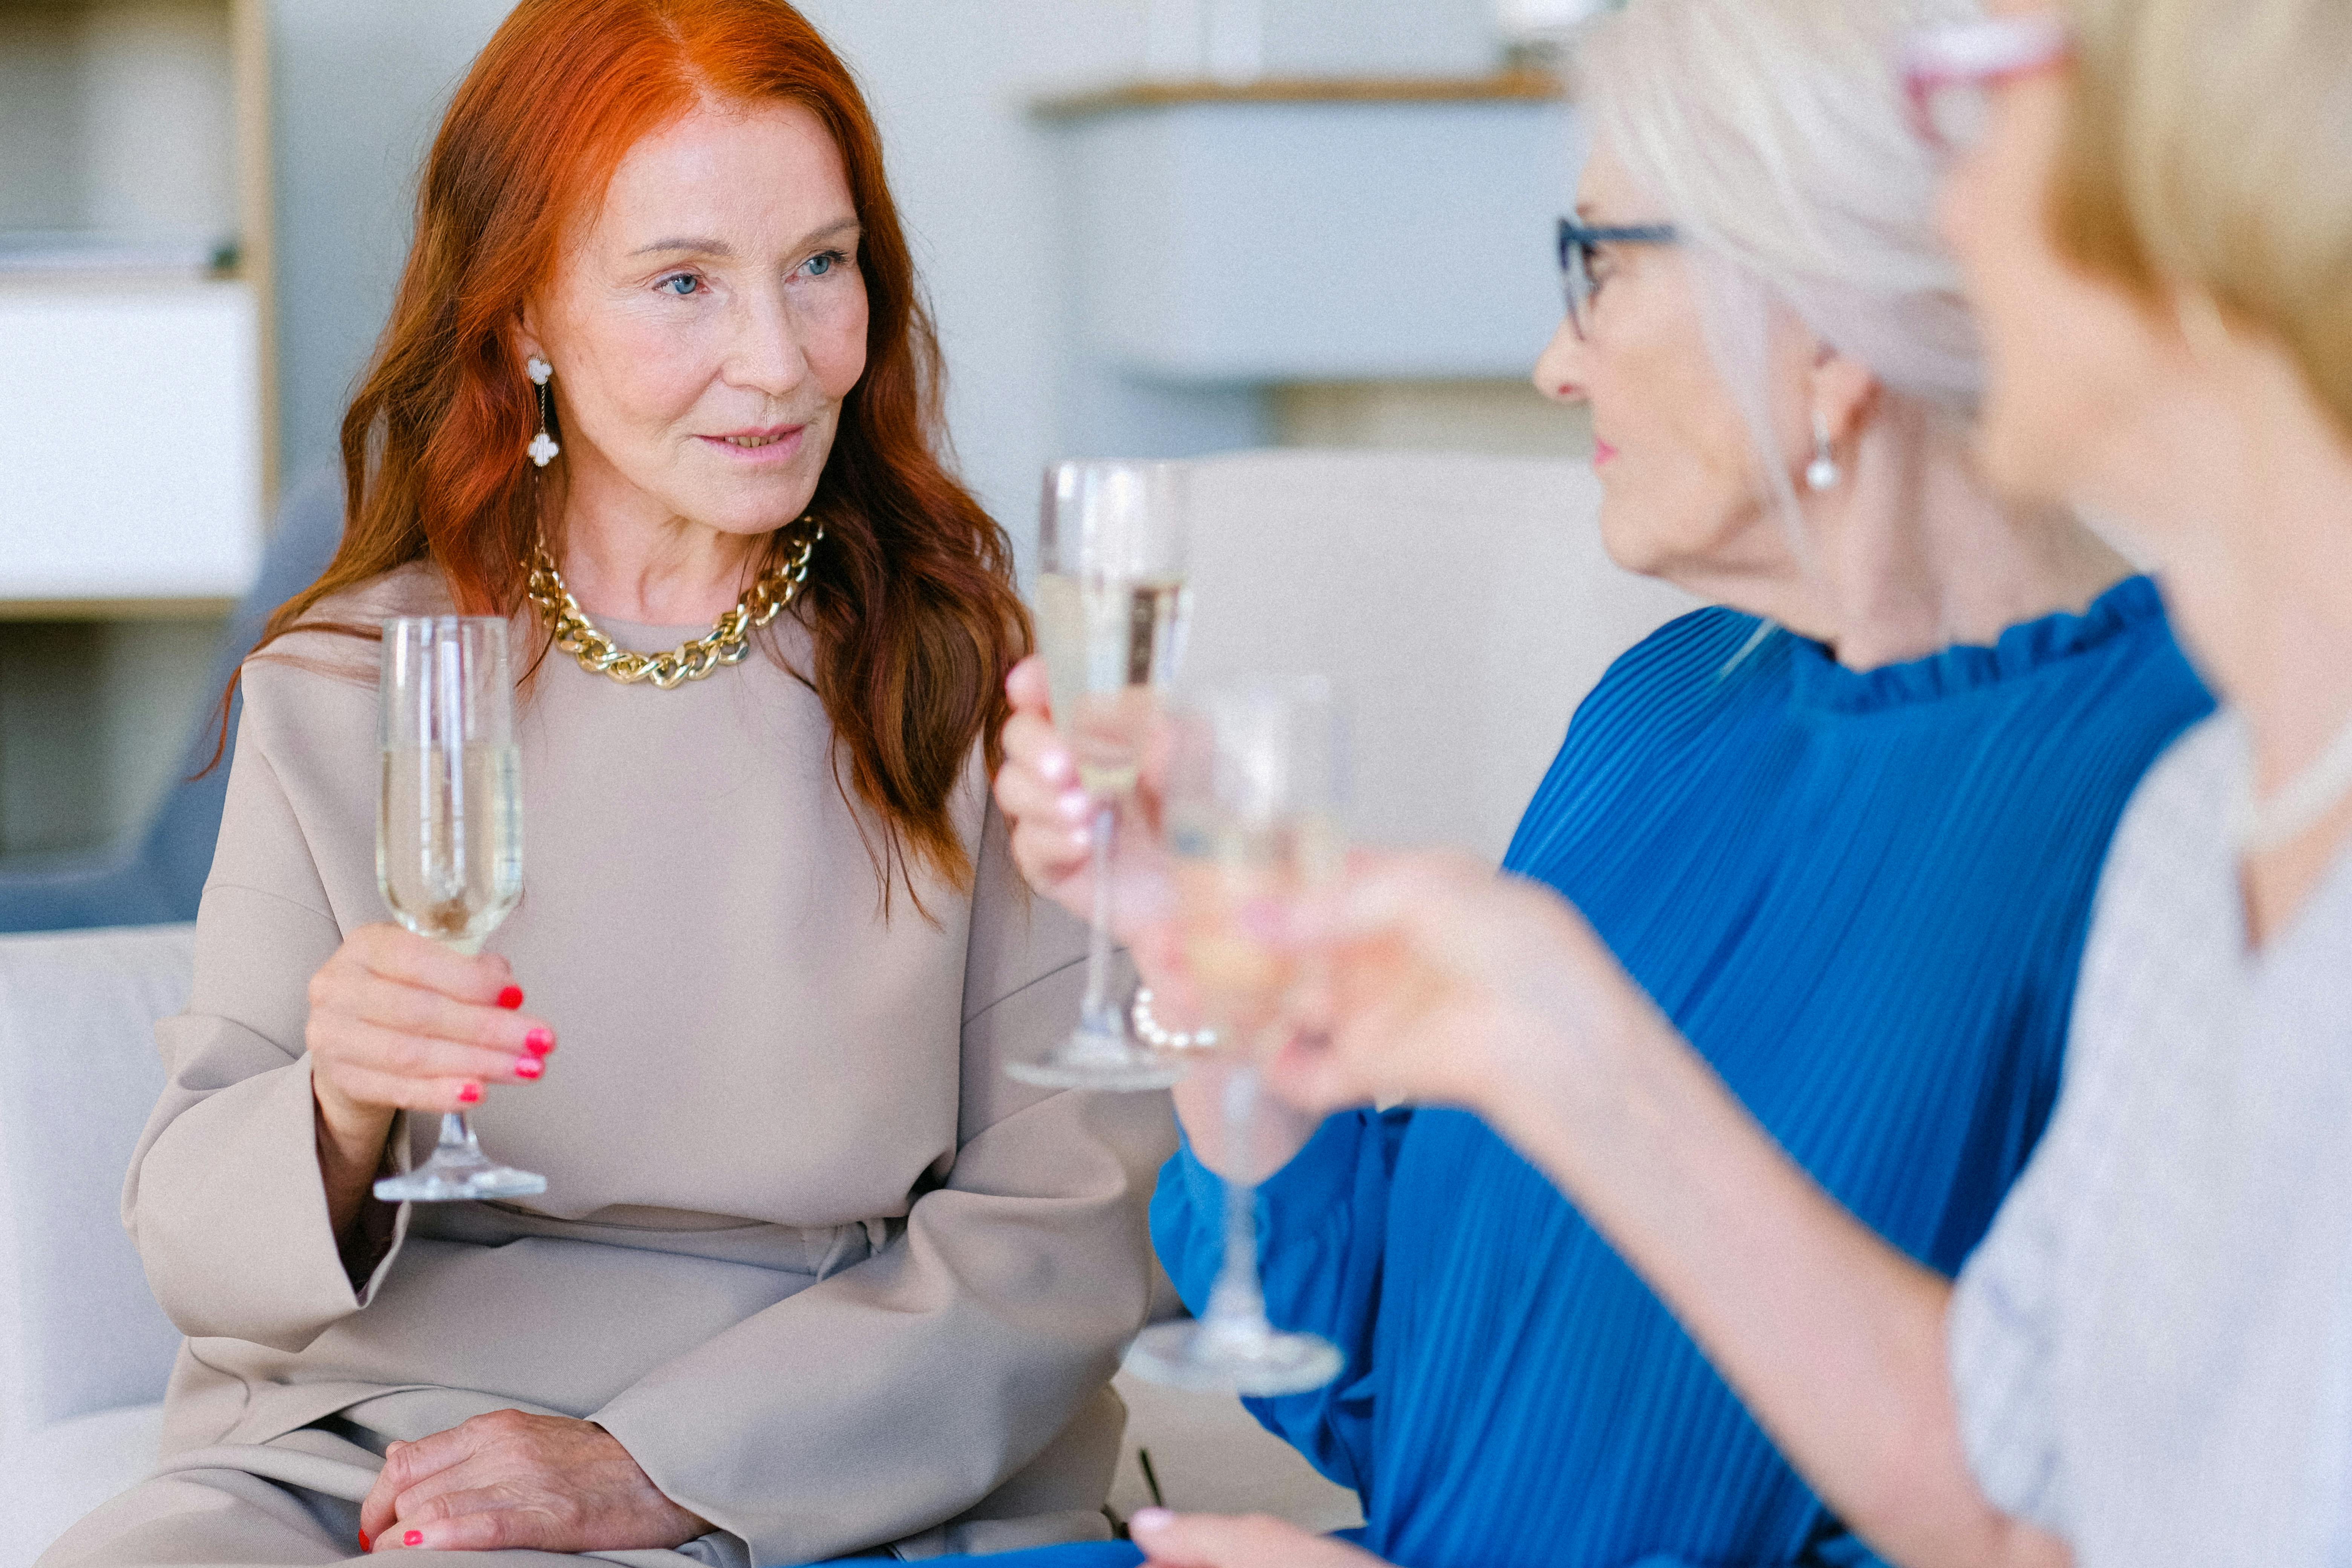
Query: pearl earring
[[1822, 473], [542, 449]]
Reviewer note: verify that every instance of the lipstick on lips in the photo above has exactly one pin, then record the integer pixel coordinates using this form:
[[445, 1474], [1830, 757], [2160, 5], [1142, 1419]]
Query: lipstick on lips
[[775, 442]]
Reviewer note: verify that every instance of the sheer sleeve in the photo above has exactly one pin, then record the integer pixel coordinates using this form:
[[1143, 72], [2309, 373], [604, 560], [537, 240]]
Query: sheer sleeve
[[2000, 1331]]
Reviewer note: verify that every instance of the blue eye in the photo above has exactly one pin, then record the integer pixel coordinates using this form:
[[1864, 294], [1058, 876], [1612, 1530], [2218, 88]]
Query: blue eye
[[823, 262], [691, 284]]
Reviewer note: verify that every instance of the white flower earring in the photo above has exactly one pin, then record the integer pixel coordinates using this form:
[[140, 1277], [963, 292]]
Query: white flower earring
[[1822, 473], [543, 448]]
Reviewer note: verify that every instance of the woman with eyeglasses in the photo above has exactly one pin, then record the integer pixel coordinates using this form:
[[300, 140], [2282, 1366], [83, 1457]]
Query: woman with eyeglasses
[[2148, 1361], [1844, 826]]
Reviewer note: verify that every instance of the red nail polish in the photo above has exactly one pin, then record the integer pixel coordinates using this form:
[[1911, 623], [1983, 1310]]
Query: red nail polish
[[539, 1042], [365, 1544], [529, 1066], [510, 998], [413, 1538], [470, 1095]]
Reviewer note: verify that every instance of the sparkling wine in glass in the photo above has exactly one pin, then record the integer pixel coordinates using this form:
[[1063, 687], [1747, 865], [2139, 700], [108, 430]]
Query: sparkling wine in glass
[[449, 847], [1251, 823], [1110, 608]]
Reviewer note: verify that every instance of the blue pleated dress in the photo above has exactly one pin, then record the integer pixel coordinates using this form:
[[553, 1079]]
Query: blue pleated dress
[[1862, 896]]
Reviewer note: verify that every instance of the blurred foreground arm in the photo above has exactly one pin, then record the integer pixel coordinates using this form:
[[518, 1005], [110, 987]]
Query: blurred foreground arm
[[1452, 986]]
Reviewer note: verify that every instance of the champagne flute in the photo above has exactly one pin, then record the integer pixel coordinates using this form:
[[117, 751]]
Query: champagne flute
[[1252, 820], [1111, 606], [449, 847]]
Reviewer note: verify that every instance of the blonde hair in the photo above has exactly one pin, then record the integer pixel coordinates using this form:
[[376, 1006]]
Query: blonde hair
[[2209, 149]]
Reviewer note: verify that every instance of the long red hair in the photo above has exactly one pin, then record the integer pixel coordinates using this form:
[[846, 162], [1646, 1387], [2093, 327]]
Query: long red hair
[[909, 601]]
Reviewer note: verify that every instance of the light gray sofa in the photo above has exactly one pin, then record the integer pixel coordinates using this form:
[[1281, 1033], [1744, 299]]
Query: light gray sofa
[[1463, 604], [84, 1350]]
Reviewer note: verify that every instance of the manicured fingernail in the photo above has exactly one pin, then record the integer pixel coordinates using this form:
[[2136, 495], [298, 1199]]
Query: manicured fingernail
[[539, 1042], [529, 1066], [365, 1544], [470, 1095], [1074, 805], [413, 1538], [1056, 766], [1150, 1519], [510, 998]]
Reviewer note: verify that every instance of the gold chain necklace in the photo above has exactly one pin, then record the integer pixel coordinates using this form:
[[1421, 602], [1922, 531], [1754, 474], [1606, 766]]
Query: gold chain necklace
[[728, 640]]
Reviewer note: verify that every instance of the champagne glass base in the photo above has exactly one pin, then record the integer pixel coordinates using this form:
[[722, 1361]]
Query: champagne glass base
[[1253, 1360], [448, 1179], [1094, 1060]]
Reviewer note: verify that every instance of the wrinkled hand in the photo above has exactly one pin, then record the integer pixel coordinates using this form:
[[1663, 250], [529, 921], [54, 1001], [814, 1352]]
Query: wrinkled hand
[[1219, 1541], [401, 1023], [1445, 982], [508, 1481]]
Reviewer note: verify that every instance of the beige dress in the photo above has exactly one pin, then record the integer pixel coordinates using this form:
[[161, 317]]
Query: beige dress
[[835, 1282]]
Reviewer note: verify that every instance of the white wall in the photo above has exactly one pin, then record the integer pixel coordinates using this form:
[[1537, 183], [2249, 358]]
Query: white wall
[[360, 84]]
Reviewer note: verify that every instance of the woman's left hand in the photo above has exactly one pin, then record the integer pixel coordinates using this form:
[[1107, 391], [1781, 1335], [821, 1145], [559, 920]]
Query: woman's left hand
[[508, 1481], [1218, 1541]]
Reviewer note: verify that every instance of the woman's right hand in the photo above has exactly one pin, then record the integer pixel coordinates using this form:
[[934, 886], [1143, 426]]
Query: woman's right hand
[[1051, 821], [1050, 816], [401, 1023]]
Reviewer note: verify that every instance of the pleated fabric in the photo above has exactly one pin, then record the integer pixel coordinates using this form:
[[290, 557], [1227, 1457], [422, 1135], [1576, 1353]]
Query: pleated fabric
[[1862, 896]]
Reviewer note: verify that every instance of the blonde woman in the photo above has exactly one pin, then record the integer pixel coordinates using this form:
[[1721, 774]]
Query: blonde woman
[[2149, 1360]]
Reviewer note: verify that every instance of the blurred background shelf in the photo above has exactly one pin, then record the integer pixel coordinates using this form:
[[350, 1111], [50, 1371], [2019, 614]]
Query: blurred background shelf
[[1239, 251], [137, 377]]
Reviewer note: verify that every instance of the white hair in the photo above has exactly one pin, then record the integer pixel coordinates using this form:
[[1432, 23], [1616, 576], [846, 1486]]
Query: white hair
[[1774, 133]]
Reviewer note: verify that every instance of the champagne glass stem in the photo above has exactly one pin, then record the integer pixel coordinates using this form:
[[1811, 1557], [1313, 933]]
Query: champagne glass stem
[[1233, 1345], [1099, 1016], [1238, 1301], [458, 1134]]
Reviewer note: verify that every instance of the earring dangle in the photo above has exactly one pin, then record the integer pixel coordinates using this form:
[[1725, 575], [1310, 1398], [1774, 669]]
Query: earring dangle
[[1822, 473], [542, 449]]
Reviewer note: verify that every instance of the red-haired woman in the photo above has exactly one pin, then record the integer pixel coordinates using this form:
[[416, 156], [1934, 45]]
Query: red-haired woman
[[811, 1277]]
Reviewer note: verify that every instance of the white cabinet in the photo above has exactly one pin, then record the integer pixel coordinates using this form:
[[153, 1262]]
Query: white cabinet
[[1319, 231], [135, 439], [130, 442]]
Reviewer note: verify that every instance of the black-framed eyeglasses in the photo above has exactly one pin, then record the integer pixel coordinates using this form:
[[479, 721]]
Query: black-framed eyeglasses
[[1580, 248]]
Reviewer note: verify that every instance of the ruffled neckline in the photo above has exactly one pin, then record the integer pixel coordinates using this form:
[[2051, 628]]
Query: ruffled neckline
[[2024, 649]]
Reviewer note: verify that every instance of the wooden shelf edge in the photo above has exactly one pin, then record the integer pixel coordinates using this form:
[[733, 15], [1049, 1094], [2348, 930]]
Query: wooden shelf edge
[[200, 607], [1503, 87]]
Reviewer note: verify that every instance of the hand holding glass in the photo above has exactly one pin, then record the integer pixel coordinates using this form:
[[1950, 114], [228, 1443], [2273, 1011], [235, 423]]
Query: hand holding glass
[[1111, 605], [448, 852], [1252, 821]]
